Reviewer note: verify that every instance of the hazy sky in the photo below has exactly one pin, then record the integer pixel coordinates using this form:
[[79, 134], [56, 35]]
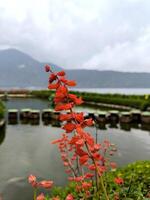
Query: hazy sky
[[98, 34]]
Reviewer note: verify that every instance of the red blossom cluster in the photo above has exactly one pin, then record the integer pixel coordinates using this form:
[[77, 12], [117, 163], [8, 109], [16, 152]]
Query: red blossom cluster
[[42, 184], [82, 156], [84, 159]]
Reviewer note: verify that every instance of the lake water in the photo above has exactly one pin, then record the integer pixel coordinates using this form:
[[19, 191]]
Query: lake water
[[26, 149], [135, 91]]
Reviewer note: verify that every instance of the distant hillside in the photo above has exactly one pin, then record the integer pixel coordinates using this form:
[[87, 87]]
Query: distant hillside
[[18, 69], [109, 79]]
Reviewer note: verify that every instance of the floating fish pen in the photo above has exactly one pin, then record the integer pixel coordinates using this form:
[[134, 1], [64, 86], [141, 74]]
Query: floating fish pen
[[25, 113], [145, 117], [91, 115], [101, 117], [55, 115], [113, 116], [125, 117], [136, 116], [35, 114], [46, 114], [13, 114]]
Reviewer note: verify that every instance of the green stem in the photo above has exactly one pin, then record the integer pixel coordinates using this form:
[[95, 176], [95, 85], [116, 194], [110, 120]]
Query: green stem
[[35, 191], [103, 187]]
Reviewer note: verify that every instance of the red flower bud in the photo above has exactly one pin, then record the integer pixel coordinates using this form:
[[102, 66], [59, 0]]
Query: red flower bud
[[47, 68]]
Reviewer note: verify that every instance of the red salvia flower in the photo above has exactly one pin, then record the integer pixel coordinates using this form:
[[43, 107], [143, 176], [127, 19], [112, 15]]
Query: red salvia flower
[[69, 127], [61, 73], [66, 106], [119, 181], [86, 185], [83, 159], [32, 180], [65, 117], [81, 146], [113, 165], [71, 83], [52, 77], [45, 184], [40, 197], [53, 86], [69, 197]]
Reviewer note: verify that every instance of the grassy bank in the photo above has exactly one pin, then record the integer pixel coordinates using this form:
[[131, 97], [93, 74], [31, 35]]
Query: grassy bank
[[135, 101], [2, 110], [136, 178]]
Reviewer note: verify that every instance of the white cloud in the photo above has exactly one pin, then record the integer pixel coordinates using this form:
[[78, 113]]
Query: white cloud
[[102, 34]]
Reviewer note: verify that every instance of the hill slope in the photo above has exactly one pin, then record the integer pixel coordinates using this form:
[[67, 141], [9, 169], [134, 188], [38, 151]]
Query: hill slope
[[18, 69]]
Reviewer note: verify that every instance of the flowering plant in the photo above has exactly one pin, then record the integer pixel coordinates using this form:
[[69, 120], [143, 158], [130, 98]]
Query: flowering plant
[[83, 157]]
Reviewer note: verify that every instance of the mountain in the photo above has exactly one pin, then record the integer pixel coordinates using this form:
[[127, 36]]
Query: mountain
[[109, 79], [18, 69]]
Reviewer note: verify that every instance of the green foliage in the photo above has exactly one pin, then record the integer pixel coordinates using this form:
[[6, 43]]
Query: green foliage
[[136, 180], [2, 110], [141, 102], [136, 184]]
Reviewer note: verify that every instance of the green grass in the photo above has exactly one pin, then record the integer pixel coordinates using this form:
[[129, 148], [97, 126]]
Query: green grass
[[135, 101], [2, 110], [136, 183]]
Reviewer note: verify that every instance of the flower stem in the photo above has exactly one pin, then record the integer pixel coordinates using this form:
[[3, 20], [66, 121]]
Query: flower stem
[[103, 187], [35, 191]]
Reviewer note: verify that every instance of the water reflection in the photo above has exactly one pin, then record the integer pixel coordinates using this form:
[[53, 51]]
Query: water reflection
[[27, 149], [125, 126], [13, 121], [34, 121], [113, 125]]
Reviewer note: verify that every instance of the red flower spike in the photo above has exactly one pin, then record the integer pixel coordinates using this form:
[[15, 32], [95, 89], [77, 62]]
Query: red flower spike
[[61, 73], [47, 68]]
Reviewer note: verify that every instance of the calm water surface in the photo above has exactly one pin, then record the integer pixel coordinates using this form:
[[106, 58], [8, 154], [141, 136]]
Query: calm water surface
[[26, 149], [138, 91]]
